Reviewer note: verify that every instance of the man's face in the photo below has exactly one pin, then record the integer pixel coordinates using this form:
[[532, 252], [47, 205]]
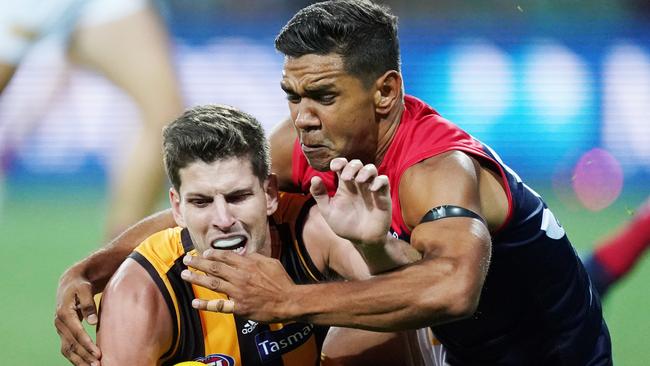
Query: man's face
[[225, 206], [334, 114]]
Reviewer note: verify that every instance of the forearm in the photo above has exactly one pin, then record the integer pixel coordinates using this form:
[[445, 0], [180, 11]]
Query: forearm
[[383, 257], [100, 266], [408, 298]]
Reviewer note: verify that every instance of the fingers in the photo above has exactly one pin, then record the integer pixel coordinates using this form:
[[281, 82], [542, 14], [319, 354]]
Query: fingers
[[359, 178], [76, 345], [353, 170], [337, 164], [215, 265], [380, 189], [86, 305], [79, 353], [211, 282], [218, 275], [319, 192], [317, 187], [217, 305]]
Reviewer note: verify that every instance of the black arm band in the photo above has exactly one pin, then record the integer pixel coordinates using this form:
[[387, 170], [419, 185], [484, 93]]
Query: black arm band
[[441, 212]]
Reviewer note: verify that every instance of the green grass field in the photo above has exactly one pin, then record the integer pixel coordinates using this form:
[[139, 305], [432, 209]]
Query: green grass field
[[45, 229]]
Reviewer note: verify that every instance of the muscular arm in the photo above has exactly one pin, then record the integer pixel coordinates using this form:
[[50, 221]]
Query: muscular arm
[[100, 266], [136, 326], [445, 285], [282, 139]]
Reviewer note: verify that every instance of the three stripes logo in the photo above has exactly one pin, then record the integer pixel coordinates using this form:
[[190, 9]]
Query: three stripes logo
[[249, 327]]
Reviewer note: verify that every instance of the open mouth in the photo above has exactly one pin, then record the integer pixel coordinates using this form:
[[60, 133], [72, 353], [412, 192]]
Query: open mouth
[[235, 243]]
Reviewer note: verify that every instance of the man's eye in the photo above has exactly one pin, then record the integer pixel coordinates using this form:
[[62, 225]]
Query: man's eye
[[200, 202], [292, 98], [326, 99], [238, 198]]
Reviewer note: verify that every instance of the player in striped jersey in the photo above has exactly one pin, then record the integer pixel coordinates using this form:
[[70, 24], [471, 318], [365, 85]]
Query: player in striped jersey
[[223, 197]]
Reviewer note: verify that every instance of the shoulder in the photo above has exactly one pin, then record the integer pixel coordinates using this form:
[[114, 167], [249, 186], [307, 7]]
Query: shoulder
[[161, 249], [135, 323], [448, 178]]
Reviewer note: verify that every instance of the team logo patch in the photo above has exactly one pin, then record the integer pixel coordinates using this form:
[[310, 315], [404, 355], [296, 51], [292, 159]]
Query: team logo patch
[[217, 359], [249, 327], [273, 344]]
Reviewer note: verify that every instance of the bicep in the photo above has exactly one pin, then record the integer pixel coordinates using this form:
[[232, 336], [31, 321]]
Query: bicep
[[462, 244], [448, 179], [282, 139], [135, 324]]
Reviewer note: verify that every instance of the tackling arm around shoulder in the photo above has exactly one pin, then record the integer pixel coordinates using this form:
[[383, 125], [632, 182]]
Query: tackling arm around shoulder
[[439, 288], [445, 285], [80, 282]]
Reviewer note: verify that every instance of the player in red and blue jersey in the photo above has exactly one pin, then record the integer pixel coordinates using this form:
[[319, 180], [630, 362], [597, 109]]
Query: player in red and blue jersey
[[498, 282]]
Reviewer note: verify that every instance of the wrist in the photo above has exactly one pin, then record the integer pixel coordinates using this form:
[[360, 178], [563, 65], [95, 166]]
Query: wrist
[[296, 304], [97, 269], [372, 243]]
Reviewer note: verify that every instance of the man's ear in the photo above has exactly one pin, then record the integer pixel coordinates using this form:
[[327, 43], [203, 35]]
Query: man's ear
[[175, 202], [271, 191], [388, 91]]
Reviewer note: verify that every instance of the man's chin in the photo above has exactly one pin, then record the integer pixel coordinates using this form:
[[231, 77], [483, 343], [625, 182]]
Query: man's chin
[[320, 164]]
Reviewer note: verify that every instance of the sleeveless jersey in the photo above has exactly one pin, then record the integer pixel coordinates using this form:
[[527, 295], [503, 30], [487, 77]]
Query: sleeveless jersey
[[227, 339], [537, 305]]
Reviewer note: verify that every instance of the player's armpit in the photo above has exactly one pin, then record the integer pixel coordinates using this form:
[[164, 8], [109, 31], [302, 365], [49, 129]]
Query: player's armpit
[[135, 323]]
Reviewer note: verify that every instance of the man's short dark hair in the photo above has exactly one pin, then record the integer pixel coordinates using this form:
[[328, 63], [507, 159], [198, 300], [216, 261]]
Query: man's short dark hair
[[214, 132], [363, 33]]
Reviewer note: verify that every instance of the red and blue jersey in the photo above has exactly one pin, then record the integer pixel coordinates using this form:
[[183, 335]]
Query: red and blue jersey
[[536, 305]]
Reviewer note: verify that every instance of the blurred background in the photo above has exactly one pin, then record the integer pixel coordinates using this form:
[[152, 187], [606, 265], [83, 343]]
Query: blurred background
[[560, 89]]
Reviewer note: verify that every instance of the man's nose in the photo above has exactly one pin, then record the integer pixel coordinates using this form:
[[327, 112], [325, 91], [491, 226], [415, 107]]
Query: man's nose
[[222, 217], [306, 117]]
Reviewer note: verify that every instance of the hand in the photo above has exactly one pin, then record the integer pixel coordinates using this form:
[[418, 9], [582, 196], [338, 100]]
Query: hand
[[258, 286], [360, 211], [74, 302]]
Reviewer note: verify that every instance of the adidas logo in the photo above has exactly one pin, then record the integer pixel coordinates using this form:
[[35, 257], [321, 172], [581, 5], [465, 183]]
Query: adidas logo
[[249, 327]]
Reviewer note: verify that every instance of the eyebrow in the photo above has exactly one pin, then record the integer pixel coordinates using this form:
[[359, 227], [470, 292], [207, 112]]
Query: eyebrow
[[287, 89], [239, 191], [235, 191], [310, 90], [319, 89]]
